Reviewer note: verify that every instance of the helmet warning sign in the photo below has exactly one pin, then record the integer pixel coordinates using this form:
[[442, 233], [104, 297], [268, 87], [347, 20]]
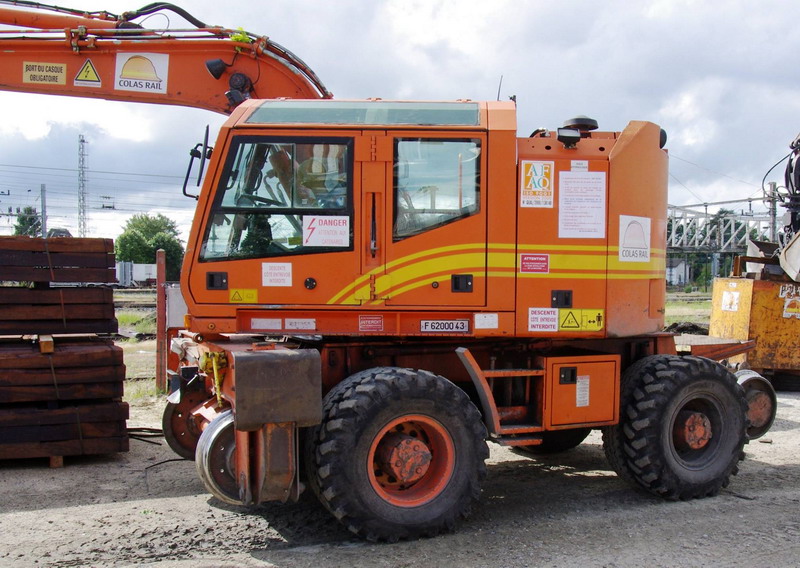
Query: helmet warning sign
[[87, 76]]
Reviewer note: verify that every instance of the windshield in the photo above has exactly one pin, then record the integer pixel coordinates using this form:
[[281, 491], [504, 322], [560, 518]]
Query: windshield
[[279, 197]]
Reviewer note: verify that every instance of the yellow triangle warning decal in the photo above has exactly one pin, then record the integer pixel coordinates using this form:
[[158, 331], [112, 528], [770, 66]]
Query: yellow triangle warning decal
[[236, 297], [88, 76], [570, 322]]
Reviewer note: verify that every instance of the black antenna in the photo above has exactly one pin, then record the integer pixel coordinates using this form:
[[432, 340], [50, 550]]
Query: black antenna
[[499, 87]]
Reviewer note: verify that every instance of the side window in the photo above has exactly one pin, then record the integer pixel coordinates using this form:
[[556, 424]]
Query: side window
[[436, 182], [279, 197]]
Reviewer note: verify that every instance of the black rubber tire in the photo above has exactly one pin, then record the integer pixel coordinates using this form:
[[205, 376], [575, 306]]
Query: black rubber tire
[[556, 441], [643, 446], [613, 437], [354, 414]]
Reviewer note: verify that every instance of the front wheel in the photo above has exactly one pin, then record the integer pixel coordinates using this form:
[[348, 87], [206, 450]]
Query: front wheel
[[400, 454], [682, 426]]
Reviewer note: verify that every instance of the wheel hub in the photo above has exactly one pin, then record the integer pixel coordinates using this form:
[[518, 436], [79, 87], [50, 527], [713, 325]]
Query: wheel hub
[[759, 408], [403, 457], [692, 430]]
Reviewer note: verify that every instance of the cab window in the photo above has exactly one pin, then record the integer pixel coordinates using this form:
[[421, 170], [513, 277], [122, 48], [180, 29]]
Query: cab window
[[436, 181], [282, 196]]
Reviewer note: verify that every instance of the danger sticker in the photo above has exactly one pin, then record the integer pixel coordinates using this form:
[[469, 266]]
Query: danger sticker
[[534, 263], [276, 274], [44, 73], [536, 187], [542, 319], [327, 231]]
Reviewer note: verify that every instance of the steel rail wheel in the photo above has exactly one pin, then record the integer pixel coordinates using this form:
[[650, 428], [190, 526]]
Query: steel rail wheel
[[214, 459], [399, 454], [682, 427], [181, 431]]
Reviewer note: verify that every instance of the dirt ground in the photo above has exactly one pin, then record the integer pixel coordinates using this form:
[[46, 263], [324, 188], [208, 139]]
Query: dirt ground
[[147, 508]]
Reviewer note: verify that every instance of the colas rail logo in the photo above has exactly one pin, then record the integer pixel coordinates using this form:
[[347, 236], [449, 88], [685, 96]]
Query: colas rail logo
[[142, 72]]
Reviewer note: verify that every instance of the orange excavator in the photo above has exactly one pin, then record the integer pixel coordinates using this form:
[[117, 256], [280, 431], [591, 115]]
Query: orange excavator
[[376, 288]]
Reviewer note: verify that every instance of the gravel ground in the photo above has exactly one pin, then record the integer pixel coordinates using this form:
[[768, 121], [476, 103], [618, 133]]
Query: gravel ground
[[145, 508]]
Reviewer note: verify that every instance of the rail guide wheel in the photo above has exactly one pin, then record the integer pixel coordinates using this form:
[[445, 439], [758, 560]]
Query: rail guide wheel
[[215, 457], [181, 431]]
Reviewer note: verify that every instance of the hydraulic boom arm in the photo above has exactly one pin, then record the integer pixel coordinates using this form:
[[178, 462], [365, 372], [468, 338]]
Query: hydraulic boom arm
[[48, 49]]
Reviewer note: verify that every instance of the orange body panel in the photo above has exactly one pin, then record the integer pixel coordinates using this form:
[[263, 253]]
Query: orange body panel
[[548, 264]]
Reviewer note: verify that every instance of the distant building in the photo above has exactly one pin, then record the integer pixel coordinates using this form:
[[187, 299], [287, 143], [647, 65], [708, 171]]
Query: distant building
[[678, 271]]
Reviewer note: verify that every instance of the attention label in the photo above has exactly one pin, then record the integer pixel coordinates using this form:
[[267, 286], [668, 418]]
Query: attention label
[[370, 323], [542, 319], [534, 263], [44, 73], [276, 274]]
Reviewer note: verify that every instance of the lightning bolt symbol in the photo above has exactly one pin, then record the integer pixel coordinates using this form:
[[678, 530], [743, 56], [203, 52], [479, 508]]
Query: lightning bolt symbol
[[311, 229]]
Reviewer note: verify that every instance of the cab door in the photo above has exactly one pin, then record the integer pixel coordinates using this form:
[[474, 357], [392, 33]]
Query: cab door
[[434, 222]]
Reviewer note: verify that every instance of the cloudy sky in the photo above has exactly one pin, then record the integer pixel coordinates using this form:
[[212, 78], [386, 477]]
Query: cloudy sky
[[719, 77]]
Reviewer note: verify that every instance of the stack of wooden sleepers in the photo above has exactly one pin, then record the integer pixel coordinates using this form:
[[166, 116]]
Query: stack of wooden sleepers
[[61, 379]]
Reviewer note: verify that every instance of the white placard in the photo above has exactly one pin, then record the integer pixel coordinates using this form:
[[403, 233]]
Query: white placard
[[326, 231], [579, 165], [581, 205], [582, 391], [542, 319], [141, 72], [276, 274], [301, 324], [634, 239], [486, 321], [536, 186], [266, 323], [730, 301]]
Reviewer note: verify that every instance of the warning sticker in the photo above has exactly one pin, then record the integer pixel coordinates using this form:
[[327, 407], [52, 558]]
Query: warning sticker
[[243, 296], [276, 274], [580, 320], [87, 76], [634, 239], [534, 263], [542, 319], [44, 73], [142, 72], [536, 187], [326, 231]]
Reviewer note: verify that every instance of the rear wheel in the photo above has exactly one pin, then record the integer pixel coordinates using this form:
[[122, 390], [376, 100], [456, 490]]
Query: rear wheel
[[400, 454], [682, 426]]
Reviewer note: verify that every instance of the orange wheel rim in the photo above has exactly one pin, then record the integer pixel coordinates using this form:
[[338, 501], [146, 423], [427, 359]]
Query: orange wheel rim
[[411, 460]]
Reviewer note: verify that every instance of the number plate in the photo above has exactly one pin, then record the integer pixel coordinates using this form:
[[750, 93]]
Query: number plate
[[444, 326]]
